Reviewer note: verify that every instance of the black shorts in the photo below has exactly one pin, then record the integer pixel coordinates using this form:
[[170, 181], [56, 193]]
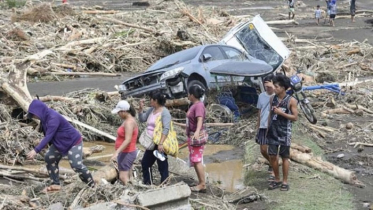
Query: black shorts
[[261, 136], [332, 16], [283, 151]]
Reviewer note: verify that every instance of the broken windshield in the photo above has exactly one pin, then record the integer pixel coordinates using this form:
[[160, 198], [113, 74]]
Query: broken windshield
[[258, 48]]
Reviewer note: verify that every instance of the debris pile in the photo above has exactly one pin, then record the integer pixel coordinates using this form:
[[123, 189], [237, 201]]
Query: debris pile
[[97, 41]]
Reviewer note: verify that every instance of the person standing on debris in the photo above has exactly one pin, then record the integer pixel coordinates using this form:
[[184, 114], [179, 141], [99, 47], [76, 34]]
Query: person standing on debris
[[318, 13], [125, 144], [333, 12], [196, 115], [63, 139], [157, 103], [283, 112], [291, 9], [352, 10], [263, 106]]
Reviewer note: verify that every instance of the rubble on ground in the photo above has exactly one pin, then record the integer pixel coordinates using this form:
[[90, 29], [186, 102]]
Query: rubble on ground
[[131, 42]]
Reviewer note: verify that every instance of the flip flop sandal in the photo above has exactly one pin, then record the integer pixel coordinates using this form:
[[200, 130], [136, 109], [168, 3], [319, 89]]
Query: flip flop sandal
[[274, 185], [284, 187], [194, 189], [192, 185]]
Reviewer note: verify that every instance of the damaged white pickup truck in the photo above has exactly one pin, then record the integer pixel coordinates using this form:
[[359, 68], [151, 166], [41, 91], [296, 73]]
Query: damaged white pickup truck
[[251, 43]]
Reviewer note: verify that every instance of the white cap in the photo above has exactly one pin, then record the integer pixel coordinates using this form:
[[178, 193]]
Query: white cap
[[121, 106]]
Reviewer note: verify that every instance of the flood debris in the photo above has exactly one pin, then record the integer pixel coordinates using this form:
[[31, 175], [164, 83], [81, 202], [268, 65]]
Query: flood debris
[[63, 41]]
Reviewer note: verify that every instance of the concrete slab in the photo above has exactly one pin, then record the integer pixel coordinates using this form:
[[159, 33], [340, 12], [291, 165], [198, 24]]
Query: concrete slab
[[170, 197]]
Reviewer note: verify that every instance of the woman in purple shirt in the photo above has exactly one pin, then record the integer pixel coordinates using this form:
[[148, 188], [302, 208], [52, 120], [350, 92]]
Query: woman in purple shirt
[[63, 139]]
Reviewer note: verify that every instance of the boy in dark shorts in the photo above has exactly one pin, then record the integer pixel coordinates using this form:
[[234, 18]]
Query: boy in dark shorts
[[291, 9], [333, 13], [283, 112], [262, 125]]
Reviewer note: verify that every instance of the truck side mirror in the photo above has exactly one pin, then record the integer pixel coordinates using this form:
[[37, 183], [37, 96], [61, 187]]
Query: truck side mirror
[[206, 57]]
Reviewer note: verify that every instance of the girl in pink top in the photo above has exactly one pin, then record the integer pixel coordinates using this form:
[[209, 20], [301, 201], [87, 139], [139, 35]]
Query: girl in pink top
[[195, 118]]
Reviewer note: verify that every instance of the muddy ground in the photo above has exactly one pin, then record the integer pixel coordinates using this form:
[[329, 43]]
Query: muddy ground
[[361, 162]]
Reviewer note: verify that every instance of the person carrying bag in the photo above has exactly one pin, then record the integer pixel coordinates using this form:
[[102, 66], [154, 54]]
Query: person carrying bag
[[155, 152]]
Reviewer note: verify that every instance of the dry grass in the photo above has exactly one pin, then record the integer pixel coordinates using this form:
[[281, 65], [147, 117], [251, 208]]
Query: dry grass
[[41, 13]]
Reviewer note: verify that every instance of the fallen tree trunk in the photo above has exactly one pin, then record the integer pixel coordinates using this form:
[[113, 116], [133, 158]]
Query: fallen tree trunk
[[300, 148], [351, 106], [41, 171], [337, 111], [326, 167], [88, 151], [177, 102], [15, 86], [107, 135], [54, 98], [125, 24], [282, 22], [356, 144], [108, 173]]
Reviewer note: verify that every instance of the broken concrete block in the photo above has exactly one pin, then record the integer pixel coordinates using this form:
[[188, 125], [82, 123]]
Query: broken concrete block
[[56, 206], [170, 197], [179, 166]]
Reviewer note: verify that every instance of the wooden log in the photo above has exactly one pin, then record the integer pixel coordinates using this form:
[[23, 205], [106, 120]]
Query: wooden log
[[54, 98], [81, 42], [318, 131], [88, 151], [351, 106], [317, 163], [177, 102], [125, 24], [356, 144], [300, 148], [185, 12], [324, 128], [41, 171], [347, 65], [67, 66], [108, 173], [282, 22], [337, 111], [354, 51]]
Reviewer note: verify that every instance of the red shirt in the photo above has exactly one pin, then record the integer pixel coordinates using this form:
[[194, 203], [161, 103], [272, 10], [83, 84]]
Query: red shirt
[[121, 137]]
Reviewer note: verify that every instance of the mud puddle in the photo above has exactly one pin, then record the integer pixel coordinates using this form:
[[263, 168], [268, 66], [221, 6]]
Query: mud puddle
[[223, 163]]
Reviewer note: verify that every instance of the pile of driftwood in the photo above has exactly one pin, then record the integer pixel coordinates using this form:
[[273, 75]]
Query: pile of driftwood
[[104, 43]]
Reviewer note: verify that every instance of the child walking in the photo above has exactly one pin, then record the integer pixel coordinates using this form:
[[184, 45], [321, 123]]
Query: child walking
[[318, 13]]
